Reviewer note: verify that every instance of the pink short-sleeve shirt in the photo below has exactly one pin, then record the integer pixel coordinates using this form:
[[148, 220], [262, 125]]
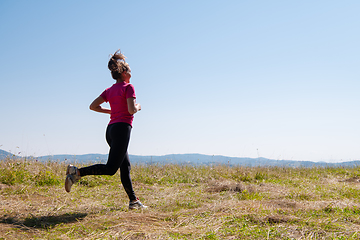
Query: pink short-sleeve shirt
[[117, 96]]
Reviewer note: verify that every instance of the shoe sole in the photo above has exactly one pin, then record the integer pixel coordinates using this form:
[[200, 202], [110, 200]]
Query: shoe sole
[[68, 183]]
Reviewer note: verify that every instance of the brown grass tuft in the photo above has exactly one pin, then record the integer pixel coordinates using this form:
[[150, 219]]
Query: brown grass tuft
[[220, 186], [351, 180], [275, 219]]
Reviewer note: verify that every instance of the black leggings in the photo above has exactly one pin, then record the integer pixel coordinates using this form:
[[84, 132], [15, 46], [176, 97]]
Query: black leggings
[[118, 137]]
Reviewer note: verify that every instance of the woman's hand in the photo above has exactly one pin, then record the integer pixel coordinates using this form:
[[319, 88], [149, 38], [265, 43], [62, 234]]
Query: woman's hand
[[95, 106]]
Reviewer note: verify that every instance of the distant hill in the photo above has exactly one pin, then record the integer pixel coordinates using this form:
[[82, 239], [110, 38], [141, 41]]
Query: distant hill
[[192, 159], [200, 159], [4, 154]]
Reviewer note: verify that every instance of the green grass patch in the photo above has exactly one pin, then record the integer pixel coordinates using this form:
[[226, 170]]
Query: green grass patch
[[185, 202]]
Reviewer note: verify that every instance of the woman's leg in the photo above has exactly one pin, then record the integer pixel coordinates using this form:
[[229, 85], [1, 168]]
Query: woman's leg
[[126, 179], [118, 137]]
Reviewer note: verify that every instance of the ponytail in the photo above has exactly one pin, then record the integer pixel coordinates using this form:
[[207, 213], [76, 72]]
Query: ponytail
[[117, 65]]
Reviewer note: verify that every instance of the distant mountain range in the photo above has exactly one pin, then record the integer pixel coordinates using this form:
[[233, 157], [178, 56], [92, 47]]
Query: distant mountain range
[[192, 159], [4, 154]]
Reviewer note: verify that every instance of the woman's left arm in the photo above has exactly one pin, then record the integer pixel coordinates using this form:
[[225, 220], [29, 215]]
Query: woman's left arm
[[133, 107], [96, 106]]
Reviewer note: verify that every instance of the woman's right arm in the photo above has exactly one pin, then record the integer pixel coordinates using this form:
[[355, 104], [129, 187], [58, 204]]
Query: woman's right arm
[[96, 106]]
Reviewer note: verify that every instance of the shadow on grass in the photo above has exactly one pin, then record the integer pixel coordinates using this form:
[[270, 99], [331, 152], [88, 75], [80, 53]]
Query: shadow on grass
[[44, 222]]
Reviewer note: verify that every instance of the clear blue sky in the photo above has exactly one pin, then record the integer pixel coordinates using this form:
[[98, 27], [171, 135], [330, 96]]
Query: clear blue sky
[[274, 79]]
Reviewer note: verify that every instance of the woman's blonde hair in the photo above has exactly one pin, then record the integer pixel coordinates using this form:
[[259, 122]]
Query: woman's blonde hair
[[117, 65]]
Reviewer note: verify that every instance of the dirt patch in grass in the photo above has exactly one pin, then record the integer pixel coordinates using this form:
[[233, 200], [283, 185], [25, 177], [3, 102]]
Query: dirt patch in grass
[[220, 186], [275, 219], [351, 180], [274, 191], [282, 204], [4, 186]]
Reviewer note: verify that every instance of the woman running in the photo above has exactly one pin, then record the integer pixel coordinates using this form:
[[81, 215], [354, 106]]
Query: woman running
[[122, 99]]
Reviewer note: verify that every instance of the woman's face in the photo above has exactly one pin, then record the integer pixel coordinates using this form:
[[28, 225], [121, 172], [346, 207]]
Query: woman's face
[[127, 76]]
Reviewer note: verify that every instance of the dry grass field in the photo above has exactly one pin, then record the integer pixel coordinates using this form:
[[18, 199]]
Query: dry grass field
[[185, 202]]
